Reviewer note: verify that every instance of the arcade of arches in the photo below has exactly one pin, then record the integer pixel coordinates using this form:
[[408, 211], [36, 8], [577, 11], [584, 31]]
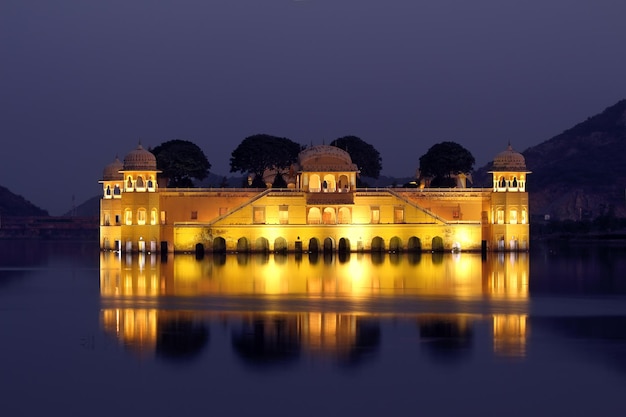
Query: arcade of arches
[[326, 245]]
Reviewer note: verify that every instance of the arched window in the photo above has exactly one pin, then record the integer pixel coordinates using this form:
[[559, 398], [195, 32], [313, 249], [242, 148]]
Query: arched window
[[108, 191], [139, 183], [150, 184], [315, 216], [502, 183], [513, 216], [514, 182], [375, 214], [128, 217], [141, 216], [116, 190], [345, 216], [129, 184], [329, 216], [153, 216], [500, 216], [524, 217]]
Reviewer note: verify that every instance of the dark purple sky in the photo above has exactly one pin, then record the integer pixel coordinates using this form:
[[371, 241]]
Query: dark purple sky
[[82, 81]]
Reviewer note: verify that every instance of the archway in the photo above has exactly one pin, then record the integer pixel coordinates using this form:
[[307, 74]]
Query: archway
[[344, 245], [314, 245], [395, 244], [343, 184], [199, 251], [219, 245], [414, 244], [328, 245], [280, 245], [437, 244], [243, 245], [262, 245], [315, 185], [378, 244], [329, 184]]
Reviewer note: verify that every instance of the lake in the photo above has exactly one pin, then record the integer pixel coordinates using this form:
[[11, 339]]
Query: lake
[[102, 334]]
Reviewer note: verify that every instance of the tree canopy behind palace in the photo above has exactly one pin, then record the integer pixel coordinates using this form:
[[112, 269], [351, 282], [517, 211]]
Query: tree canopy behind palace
[[259, 152], [444, 160], [364, 155], [180, 161]]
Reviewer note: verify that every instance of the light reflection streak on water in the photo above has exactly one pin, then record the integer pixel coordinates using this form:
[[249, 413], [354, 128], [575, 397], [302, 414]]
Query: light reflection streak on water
[[361, 280], [321, 298]]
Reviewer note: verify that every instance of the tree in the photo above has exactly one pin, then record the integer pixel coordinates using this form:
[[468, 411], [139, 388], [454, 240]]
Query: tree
[[180, 161], [257, 153], [364, 155], [279, 181], [443, 161]]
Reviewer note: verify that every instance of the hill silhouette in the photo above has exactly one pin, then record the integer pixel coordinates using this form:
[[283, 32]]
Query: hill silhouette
[[579, 174], [13, 205]]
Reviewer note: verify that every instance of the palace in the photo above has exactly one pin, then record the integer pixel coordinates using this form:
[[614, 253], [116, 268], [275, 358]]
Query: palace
[[321, 210]]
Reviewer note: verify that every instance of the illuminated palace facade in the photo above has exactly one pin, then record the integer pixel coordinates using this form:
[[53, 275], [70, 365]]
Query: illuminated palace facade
[[321, 210]]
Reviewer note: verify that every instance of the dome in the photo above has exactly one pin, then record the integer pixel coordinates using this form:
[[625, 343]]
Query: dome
[[140, 160], [112, 171], [325, 158], [509, 160]]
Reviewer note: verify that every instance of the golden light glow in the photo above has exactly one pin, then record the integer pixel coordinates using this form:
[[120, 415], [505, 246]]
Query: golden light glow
[[456, 275], [359, 278], [510, 333]]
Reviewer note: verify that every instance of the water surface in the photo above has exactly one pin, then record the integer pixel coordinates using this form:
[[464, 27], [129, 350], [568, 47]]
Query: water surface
[[99, 334]]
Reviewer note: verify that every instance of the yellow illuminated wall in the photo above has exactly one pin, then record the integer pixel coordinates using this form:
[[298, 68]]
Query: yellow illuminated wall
[[151, 219]]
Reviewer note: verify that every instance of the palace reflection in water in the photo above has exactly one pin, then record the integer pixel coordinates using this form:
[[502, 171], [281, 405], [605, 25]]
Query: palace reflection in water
[[279, 308]]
